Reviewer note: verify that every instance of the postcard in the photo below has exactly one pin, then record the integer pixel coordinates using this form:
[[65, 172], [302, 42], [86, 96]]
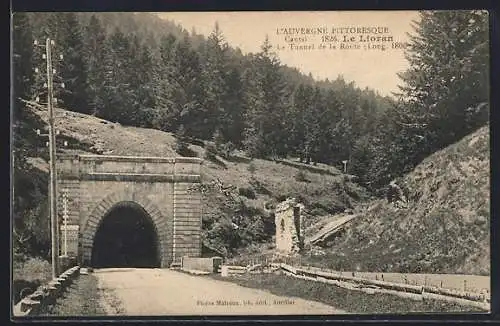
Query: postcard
[[250, 163]]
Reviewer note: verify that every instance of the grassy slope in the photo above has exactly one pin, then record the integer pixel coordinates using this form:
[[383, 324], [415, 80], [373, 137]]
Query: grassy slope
[[82, 298], [446, 226], [348, 300], [322, 192]]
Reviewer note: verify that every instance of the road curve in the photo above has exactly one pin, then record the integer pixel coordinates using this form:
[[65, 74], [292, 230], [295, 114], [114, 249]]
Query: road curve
[[163, 292]]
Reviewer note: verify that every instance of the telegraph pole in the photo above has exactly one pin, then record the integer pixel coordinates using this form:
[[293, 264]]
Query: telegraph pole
[[52, 151], [54, 224]]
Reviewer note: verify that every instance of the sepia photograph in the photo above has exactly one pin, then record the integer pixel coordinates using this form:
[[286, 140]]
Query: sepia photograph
[[266, 163]]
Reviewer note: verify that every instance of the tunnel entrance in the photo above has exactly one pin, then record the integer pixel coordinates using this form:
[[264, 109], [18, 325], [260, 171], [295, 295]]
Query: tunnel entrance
[[126, 237]]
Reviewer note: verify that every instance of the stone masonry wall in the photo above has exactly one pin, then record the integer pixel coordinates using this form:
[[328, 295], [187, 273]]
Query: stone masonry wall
[[187, 223], [68, 180], [160, 185], [289, 233], [99, 197]]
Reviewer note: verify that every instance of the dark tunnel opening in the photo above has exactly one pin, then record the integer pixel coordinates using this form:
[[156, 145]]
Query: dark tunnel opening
[[126, 237]]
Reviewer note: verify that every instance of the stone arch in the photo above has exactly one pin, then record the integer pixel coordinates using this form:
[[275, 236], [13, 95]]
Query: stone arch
[[106, 205]]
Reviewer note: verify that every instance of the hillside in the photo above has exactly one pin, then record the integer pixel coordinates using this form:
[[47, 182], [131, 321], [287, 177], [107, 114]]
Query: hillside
[[445, 227], [242, 216]]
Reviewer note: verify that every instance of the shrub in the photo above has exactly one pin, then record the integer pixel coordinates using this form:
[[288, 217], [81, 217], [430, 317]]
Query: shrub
[[301, 176], [318, 211], [197, 142], [328, 205], [218, 138], [210, 151], [226, 150], [270, 204], [182, 148], [181, 145], [250, 210], [211, 155], [281, 197], [247, 192], [221, 146], [251, 168], [259, 187]]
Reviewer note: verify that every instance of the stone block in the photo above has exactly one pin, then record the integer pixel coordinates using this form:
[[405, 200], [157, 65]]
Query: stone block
[[30, 305], [210, 265], [64, 280], [55, 287]]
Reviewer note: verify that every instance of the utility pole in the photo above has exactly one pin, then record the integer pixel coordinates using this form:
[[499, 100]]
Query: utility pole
[[52, 151], [54, 225], [52, 158]]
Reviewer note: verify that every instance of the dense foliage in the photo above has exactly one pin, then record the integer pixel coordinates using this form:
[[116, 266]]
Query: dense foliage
[[444, 94], [136, 69]]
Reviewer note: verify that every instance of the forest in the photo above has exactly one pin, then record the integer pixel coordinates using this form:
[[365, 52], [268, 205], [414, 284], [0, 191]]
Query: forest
[[139, 70]]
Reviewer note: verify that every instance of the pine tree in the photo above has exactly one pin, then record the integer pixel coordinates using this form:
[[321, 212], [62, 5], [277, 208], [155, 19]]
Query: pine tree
[[118, 105], [95, 48], [73, 67], [267, 105], [232, 120], [167, 112], [332, 128], [188, 92], [23, 79], [22, 57], [146, 97], [302, 102], [447, 81], [312, 118], [140, 80], [30, 230], [253, 139], [166, 47], [214, 77]]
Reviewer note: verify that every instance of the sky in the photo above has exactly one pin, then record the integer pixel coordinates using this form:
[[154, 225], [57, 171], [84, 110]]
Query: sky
[[373, 68]]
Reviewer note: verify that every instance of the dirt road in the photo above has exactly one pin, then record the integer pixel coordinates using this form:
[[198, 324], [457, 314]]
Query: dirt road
[[163, 292]]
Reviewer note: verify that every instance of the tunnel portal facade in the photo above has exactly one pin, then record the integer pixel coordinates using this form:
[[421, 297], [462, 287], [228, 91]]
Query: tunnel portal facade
[[129, 211]]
